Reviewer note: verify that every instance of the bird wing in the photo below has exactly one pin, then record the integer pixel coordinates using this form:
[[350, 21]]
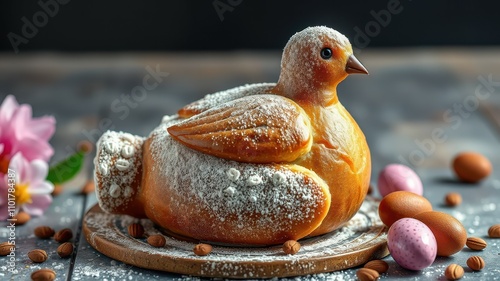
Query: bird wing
[[217, 98], [252, 129]]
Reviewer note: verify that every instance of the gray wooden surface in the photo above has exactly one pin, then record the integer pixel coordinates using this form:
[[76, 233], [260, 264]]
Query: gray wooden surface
[[408, 94]]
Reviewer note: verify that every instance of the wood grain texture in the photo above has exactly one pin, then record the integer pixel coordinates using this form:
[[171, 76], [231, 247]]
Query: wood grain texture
[[361, 240]]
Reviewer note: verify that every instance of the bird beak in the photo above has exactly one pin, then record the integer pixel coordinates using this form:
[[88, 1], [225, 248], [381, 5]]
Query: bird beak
[[354, 66]]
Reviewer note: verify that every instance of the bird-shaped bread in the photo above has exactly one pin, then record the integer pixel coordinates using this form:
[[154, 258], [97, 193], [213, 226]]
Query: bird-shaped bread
[[254, 165]]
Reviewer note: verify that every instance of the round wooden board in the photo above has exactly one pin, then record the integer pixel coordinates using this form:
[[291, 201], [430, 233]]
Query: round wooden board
[[361, 240]]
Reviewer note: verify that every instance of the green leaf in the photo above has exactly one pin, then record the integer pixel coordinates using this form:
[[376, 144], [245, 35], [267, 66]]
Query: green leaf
[[66, 169]]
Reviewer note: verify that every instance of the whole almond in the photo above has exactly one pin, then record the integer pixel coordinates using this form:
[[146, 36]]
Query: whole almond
[[6, 248], [43, 274], [65, 249], [202, 249], [494, 231], [22, 218], [367, 274], [157, 240], [44, 232], [454, 272], [136, 230], [453, 199], [89, 187], [85, 146], [476, 243], [291, 247], [379, 266], [38, 255], [63, 235], [58, 189], [475, 263]]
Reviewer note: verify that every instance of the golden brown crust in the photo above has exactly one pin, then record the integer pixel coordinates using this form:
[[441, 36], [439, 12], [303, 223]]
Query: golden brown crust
[[215, 99], [233, 219], [341, 157], [258, 164], [256, 129]]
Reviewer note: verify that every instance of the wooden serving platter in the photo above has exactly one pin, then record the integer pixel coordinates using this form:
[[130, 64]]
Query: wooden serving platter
[[361, 240]]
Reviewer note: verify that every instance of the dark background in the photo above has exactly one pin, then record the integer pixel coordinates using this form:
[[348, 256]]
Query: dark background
[[195, 25]]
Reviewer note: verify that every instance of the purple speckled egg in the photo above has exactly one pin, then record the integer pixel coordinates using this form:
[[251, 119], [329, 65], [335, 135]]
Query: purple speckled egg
[[397, 177], [411, 244]]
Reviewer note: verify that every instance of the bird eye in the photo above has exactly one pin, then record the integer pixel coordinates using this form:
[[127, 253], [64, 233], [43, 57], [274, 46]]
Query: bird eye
[[326, 53]]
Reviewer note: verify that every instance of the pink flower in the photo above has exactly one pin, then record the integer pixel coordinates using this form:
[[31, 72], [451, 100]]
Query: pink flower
[[19, 132], [26, 181]]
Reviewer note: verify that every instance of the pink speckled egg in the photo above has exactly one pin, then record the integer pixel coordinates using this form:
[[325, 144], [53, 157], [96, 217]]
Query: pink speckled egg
[[411, 244], [397, 177]]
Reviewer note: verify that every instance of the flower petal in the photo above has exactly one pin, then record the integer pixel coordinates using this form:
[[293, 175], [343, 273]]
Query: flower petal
[[4, 212], [38, 188], [33, 148], [20, 121], [43, 127], [20, 167], [39, 204], [39, 170], [4, 180], [4, 197], [9, 105]]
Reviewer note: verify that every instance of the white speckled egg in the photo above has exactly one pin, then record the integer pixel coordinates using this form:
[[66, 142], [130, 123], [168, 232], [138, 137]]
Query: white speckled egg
[[397, 177], [411, 244]]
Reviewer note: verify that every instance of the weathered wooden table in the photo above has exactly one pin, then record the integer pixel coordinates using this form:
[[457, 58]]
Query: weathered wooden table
[[409, 96]]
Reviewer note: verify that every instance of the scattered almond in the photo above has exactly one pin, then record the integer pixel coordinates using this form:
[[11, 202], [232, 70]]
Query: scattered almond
[[367, 274], [202, 249], [85, 146], [63, 235], [44, 232], [65, 249], [58, 189], [379, 266], [291, 247], [6, 248], [136, 230], [88, 188], [454, 272], [157, 241], [475, 263], [38, 255], [453, 199], [494, 231], [44, 274], [22, 218], [476, 243]]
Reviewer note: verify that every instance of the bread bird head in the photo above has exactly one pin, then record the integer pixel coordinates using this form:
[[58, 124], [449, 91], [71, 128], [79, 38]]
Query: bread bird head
[[315, 60]]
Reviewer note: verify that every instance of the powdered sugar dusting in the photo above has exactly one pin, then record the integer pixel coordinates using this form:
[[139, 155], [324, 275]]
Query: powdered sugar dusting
[[260, 129], [301, 59], [118, 162], [237, 198], [222, 97], [314, 37]]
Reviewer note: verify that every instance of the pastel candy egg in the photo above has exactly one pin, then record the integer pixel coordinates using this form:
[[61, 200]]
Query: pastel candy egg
[[397, 177], [411, 244]]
